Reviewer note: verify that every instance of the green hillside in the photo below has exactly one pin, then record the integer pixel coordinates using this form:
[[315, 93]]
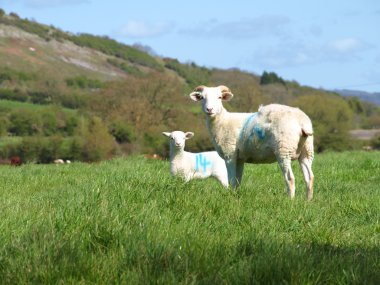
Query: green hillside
[[132, 96]]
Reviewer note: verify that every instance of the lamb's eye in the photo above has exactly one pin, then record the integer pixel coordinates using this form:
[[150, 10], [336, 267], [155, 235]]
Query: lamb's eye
[[220, 97], [199, 97]]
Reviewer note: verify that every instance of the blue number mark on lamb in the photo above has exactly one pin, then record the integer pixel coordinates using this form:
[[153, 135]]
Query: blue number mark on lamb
[[201, 161]]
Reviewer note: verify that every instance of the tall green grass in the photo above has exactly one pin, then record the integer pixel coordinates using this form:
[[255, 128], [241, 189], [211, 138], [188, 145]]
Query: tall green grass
[[126, 221]]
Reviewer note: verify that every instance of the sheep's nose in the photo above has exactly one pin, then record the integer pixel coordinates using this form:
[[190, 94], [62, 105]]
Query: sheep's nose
[[209, 110]]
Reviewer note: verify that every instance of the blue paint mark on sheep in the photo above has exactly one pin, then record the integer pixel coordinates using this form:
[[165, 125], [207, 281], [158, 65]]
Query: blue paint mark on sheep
[[201, 161], [259, 132], [256, 130], [246, 125]]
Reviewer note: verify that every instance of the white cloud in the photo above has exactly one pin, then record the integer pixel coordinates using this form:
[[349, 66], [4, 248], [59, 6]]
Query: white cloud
[[140, 29], [346, 45], [295, 52], [267, 25], [51, 3], [315, 30]]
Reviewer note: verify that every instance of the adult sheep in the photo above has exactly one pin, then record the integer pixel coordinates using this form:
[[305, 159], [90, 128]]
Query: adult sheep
[[274, 133]]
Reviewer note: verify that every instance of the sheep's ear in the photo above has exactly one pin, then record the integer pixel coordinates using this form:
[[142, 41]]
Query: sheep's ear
[[167, 134], [226, 93], [189, 135], [196, 95], [227, 96]]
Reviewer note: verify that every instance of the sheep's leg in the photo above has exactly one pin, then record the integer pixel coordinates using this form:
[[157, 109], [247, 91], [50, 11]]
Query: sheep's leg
[[308, 175], [286, 168], [239, 171], [231, 170]]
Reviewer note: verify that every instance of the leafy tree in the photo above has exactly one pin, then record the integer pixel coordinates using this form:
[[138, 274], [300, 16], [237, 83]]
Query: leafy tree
[[122, 132], [49, 123], [193, 74], [75, 149], [331, 117], [24, 123], [270, 78], [50, 149], [4, 125], [98, 144]]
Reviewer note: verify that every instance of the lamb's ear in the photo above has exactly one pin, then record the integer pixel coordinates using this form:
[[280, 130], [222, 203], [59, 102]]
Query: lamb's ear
[[189, 135], [226, 93], [167, 134], [196, 95]]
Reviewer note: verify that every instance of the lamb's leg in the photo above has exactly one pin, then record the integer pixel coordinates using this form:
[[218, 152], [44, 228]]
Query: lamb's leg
[[286, 168], [308, 175], [239, 171], [223, 180], [231, 170]]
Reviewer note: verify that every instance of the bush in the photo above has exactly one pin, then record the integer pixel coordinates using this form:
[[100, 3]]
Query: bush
[[375, 143], [193, 74], [7, 74], [127, 68], [84, 82], [24, 123], [122, 132], [112, 47], [38, 97], [4, 125], [72, 101], [15, 95]]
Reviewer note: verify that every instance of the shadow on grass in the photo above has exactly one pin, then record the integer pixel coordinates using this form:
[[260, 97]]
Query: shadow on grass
[[269, 263], [250, 261]]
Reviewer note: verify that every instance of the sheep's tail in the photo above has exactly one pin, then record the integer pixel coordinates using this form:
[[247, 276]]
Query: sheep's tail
[[306, 133], [305, 142], [306, 129]]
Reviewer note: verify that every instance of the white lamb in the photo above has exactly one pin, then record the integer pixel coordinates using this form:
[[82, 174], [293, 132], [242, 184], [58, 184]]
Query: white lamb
[[274, 133], [194, 165]]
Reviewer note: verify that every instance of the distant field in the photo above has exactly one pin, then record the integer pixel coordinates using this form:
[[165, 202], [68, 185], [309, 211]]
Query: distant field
[[9, 104], [365, 134], [126, 221]]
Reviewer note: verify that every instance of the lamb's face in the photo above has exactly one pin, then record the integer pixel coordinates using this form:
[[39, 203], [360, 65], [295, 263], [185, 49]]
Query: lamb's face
[[178, 138], [211, 98]]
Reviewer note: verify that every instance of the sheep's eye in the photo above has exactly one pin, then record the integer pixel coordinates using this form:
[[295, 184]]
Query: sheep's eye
[[220, 97], [199, 97]]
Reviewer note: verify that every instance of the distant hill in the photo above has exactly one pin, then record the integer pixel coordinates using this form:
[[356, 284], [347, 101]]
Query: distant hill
[[95, 97], [365, 96]]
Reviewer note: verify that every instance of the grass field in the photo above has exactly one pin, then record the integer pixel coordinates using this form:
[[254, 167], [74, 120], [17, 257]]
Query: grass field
[[126, 221]]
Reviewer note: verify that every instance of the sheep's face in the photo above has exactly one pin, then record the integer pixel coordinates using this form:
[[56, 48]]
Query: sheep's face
[[211, 98], [178, 138]]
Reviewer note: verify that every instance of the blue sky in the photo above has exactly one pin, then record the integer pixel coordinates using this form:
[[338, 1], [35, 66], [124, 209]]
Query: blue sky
[[329, 44]]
